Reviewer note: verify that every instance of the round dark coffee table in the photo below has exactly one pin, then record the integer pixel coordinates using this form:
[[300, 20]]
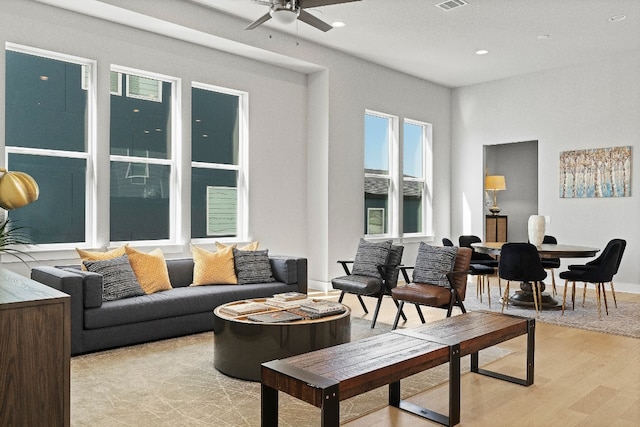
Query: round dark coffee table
[[241, 345]]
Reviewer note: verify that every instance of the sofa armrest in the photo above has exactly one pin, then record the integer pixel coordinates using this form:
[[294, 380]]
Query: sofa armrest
[[290, 270], [73, 284]]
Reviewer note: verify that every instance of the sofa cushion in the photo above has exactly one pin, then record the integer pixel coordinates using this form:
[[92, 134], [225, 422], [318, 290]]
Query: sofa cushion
[[98, 256], [118, 280], [252, 266], [213, 268], [176, 302], [150, 269], [433, 263], [368, 256]]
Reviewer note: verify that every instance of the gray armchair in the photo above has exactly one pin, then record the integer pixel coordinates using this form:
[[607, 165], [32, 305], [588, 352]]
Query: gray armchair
[[374, 273]]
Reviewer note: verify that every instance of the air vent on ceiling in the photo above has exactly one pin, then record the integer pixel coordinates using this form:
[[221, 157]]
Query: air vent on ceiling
[[451, 4]]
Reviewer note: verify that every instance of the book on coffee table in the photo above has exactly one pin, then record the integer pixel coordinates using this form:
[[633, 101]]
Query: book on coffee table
[[275, 317], [318, 306], [282, 304], [243, 307], [290, 296]]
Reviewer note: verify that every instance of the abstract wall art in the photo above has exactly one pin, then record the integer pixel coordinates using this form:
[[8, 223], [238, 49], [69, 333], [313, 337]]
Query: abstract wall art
[[598, 172]]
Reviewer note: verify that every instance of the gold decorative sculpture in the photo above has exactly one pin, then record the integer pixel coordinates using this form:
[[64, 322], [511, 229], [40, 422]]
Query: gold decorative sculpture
[[17, 189]]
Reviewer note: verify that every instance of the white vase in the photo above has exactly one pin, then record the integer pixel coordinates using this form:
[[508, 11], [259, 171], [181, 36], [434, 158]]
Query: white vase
[[536, 229]]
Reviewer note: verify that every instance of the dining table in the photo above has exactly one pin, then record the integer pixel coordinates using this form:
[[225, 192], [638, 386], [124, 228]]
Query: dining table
[[524, 297]]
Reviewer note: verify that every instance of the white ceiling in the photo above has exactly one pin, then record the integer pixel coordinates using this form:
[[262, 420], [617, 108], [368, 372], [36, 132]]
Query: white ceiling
[[418, 38]]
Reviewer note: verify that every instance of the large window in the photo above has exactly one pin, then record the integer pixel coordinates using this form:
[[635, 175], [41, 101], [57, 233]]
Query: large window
[[396, 187], [142, 156], [217, 141], [48, 117], [379, 131]]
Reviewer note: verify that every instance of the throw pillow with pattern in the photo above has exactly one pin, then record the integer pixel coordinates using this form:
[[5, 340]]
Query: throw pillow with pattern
[[368, 256], [118, 280], [252, 266], [433, 263]]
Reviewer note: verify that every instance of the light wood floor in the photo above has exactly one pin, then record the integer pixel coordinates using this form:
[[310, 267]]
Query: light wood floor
[[582, 378]]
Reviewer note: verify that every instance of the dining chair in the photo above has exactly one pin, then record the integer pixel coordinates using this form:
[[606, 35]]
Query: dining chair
[[598, 274], [593, 263], [374, 273], [482, 266], [551, 263], [521, 262], [439, 280]]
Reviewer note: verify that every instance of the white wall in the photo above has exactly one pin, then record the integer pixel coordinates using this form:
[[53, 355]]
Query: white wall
[[306, 130], [590, 106], [277, 120]]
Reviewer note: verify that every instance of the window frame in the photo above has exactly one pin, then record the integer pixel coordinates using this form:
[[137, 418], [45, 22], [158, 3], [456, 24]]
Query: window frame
[[242, 204], [173, 154], [90, 144], [426, 180]]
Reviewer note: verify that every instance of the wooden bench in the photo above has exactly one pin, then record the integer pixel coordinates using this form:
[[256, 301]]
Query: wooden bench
[[325, 377]]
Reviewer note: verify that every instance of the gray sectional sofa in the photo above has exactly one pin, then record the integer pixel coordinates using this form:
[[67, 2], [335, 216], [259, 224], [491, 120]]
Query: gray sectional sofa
[[182, 310]]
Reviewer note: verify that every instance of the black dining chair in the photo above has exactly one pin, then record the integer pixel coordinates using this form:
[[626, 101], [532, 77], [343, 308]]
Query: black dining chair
[[482, 266], [521, 262], [598, 274], [551, 263], [595, 262]]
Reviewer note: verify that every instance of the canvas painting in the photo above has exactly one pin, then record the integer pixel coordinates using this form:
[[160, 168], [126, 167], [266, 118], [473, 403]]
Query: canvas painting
[[599, 172]]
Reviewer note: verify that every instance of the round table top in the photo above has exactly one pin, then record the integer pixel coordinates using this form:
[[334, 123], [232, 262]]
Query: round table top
[[546, 250], [244, 318]]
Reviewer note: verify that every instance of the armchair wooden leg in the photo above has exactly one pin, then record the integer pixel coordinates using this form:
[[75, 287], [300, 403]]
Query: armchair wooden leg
[[420, 313], [598, 300], [401, 312], [535, 296], [341, 297], [375, 313], [564, 296], [584, 292], [488, 290], [573, 295], [613, 292], [364, 307], [505, 296], [604, 296], [395, 321]]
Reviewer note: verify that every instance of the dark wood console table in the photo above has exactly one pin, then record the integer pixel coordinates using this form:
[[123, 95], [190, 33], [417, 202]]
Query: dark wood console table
[[35, 353], [325, 377]]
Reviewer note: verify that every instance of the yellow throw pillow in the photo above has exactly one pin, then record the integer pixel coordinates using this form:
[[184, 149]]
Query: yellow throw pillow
[[150, 269], [99, 256], [213, 268], [253, 246]]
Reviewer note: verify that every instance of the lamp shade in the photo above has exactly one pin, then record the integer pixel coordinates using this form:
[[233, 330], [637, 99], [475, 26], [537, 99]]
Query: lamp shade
[[495, 182]]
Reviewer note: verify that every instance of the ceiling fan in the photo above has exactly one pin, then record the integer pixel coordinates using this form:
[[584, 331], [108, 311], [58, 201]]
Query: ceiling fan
[[287, 11]]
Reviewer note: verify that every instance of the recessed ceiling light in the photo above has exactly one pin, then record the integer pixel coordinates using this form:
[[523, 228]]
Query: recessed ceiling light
[[543, 36], [617, 18], [338, 24], [135, 110], [482, 52], [44, 78]]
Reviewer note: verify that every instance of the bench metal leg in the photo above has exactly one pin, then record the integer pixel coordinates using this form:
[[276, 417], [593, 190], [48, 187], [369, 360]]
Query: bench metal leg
[[330, 410], [454, 395], [531, 344], [269, 406]]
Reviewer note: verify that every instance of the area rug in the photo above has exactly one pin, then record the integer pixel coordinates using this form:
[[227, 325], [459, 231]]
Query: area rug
[[623, 320], [173, 382]]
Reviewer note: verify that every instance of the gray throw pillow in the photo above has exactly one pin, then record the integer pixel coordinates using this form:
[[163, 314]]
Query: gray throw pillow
[[369, 256], [118, 279], [252, 266], [433, 263]]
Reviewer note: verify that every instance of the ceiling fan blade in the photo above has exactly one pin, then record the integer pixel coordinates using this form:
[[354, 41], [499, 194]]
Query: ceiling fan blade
[[318, 3], [264, 18], [308, 18]]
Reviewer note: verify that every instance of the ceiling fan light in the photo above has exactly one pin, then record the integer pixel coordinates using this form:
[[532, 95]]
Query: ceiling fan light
[[285, 16]]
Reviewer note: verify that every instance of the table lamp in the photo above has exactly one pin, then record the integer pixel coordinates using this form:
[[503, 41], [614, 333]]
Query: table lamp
[[495, 183]]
